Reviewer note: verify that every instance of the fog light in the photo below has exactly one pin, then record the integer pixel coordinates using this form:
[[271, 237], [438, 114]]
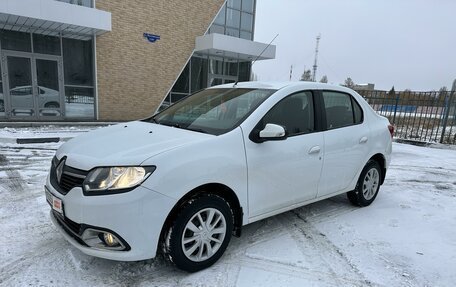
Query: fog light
[[101, 239], [110, 239]]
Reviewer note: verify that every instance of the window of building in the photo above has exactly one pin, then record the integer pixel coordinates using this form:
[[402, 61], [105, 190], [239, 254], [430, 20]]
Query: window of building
[[78, 62], [220, 19], [295, 113], [217, 29], [232, 32], [246, 35], [182, 83], [236, 4], [247, 22], [78, 78], [233, 18], [79, 102], [86, 3], [216, 66], [244, 71], [198, 73], [231, 68], [43, 44], [248, 6], [339, 110], [15, 41]]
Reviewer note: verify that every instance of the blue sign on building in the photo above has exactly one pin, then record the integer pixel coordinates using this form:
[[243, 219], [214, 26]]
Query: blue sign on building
[[151, 37]]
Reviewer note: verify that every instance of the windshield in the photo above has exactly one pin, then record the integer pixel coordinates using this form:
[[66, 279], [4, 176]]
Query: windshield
[[213, 111]]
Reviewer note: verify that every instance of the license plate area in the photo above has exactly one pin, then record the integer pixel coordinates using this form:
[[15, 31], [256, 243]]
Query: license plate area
[[55, 202]]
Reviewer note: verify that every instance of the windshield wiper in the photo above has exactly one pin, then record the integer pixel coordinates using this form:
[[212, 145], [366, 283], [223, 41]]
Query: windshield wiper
[[196, 130], [179, 126]]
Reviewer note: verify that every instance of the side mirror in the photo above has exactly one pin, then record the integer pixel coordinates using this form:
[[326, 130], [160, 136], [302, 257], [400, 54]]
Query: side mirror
[[272, 132]]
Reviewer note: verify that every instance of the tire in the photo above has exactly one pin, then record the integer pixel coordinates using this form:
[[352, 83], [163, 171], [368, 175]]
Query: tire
[[188, 239], [52, 105], [368, 185]]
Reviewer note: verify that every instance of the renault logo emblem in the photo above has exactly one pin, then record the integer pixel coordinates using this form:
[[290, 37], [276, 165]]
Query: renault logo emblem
[[59, 170]]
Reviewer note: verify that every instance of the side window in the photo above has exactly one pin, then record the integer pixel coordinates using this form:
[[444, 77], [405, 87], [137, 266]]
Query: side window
[[357, 111], [295, 113], [341, 110]]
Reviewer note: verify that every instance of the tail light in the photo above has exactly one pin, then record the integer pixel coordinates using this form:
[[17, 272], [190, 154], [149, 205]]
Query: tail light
[[391, 130]]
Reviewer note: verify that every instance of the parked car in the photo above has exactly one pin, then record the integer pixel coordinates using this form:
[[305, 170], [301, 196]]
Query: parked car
[[188, 178], [22, 99]]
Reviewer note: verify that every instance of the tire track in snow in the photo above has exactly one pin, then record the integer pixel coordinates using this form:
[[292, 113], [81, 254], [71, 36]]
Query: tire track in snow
[[28, 259], [305, 233], [14, 180]]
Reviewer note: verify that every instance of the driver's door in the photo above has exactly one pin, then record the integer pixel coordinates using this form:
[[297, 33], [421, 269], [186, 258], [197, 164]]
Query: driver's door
[[285, 172]]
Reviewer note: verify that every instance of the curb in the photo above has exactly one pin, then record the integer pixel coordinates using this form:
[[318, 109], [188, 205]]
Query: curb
[[34, 140]]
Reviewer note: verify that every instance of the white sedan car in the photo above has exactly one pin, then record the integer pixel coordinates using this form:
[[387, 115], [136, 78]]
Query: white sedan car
[[187, 179]]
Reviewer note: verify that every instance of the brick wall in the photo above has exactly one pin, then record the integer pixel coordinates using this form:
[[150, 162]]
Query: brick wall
[[134, 75]]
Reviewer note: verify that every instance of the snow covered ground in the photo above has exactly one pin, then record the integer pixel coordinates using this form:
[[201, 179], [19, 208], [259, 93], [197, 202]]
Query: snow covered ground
[[407, 237]]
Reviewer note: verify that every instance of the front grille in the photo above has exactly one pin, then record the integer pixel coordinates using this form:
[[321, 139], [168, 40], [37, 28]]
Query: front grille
[[70, 178]]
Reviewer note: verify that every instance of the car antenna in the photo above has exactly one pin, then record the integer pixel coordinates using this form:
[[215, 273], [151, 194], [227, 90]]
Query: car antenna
[[254, 61]]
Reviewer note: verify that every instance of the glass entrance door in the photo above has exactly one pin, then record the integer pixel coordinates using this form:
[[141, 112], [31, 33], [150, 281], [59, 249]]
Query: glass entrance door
[[34, 87], [22, 102]]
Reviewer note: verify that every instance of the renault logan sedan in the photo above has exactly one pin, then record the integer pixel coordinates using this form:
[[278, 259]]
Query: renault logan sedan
[[187, 179]]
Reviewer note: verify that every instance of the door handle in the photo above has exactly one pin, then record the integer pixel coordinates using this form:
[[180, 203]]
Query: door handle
[[315, 149], [363, 140]]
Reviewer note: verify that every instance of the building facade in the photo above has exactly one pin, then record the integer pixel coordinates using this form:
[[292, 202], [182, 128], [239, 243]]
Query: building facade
[[86, 60]]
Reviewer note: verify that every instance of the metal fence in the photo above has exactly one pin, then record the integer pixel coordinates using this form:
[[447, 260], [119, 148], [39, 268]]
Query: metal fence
[[419, 116]]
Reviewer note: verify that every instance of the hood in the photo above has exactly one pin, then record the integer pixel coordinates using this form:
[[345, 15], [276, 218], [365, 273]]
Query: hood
[[124, 144]]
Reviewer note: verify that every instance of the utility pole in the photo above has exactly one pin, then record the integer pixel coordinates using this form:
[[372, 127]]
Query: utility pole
[[291, 71], [314, 76]]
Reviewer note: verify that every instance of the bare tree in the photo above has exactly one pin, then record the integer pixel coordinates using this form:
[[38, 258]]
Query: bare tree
[[349, 83], [307, 76]]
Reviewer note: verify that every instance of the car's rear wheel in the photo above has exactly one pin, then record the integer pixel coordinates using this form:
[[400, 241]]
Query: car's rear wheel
[[52, 105], [200, 234], [368, 185]]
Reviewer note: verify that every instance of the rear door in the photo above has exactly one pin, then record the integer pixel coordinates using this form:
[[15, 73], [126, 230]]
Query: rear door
[[285, 172], [346, 141]]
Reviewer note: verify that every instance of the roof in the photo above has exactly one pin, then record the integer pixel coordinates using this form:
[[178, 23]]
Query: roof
[[281, 85]]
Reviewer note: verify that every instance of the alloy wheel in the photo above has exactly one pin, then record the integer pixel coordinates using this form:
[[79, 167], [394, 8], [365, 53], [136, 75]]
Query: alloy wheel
[[203, 234], [370, 183]]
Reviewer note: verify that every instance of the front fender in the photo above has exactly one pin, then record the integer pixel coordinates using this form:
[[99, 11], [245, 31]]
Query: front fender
[[219, 159]]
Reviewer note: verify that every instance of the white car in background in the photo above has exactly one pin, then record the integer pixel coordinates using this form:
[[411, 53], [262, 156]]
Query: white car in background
[[22, 99], [187, 179]]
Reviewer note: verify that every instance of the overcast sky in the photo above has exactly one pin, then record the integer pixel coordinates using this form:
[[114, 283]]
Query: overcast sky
[[410, 44]]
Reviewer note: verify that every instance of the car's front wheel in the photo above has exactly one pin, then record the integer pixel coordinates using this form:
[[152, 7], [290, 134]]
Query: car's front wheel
[[200, 233], [368, 185]]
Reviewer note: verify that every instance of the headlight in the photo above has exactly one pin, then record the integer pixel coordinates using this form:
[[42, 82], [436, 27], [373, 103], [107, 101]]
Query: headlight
[[116, 178]]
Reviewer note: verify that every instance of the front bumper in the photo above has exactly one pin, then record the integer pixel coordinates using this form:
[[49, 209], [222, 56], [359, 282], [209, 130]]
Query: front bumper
[[136, 217]]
